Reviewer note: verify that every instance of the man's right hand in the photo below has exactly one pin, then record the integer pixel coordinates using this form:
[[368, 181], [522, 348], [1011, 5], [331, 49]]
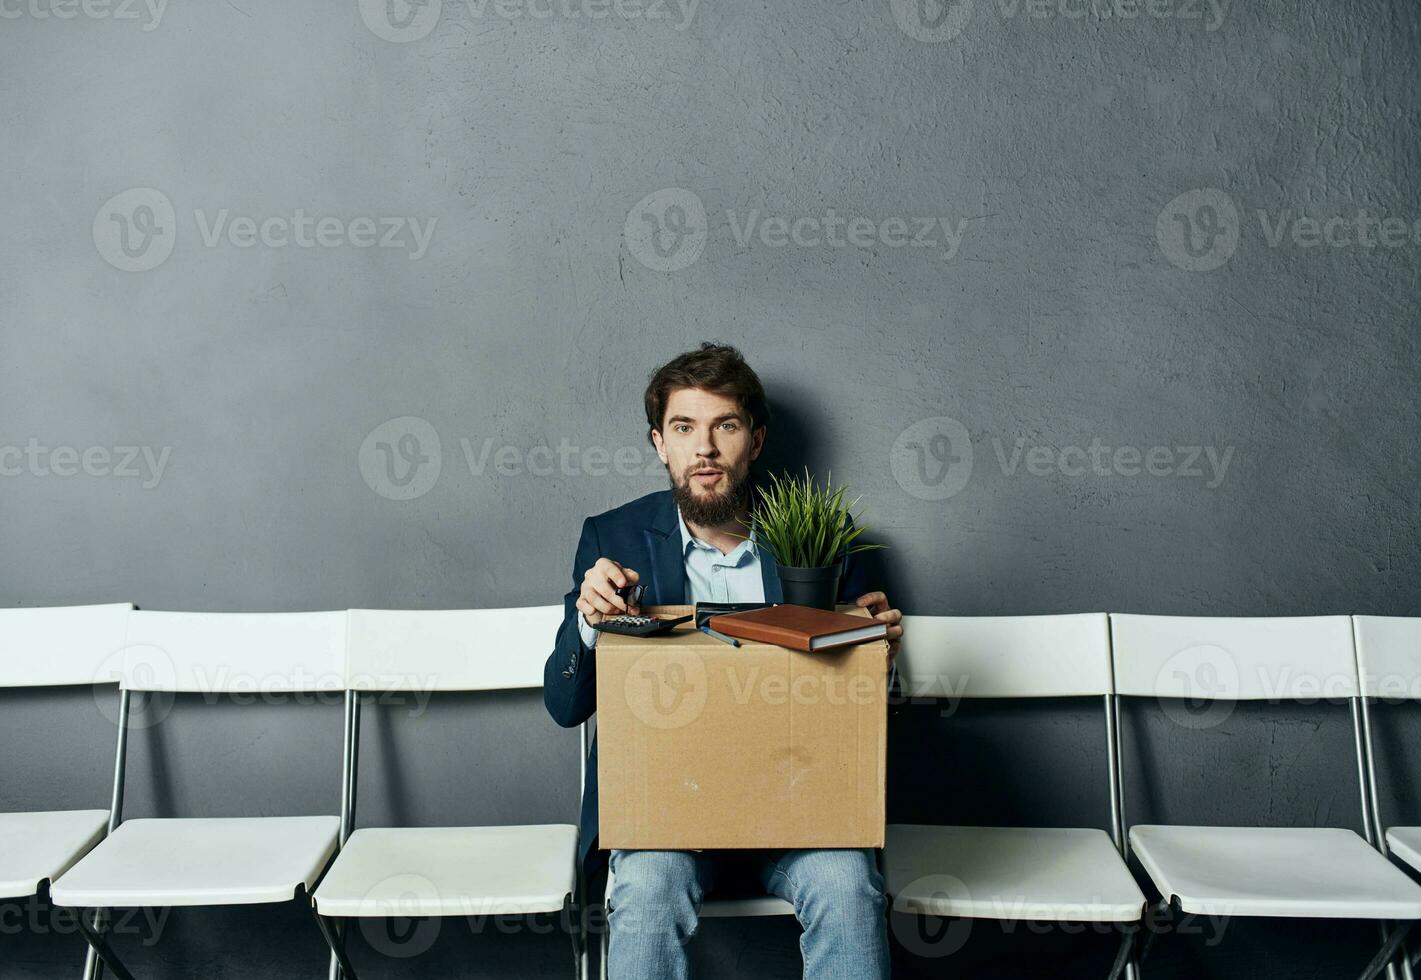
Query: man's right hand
[[598, 598]]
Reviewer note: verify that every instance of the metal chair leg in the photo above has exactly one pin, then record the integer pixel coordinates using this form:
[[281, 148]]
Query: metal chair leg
[[602, 960], [1387, 953], [1164, 910], [571, 917], [334, 971], [1124, 958], [333, 941], [101, 948], [93, 966]]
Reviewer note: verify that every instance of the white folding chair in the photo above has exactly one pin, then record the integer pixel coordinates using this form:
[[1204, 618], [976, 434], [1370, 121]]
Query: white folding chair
[[1309, 872], [217, 861], [60, 646], [1389, 662], [1059, 874], [446, 871]]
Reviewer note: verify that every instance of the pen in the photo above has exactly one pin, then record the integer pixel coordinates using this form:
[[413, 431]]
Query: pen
[[720, 636]]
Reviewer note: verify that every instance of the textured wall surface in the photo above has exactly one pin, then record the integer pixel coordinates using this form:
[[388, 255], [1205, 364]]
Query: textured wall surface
[[1101, 304]]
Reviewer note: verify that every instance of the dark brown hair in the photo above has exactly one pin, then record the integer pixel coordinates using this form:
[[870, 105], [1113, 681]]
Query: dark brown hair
[[719, 368]]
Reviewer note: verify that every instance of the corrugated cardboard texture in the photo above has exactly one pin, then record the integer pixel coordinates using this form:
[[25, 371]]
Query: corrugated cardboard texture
[[702, 745]]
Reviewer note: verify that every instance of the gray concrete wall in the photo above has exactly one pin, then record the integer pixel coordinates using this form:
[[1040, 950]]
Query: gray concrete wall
[[338, 282]]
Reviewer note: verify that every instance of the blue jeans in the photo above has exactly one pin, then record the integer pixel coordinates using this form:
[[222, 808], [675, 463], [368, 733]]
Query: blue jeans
[[837, 896]]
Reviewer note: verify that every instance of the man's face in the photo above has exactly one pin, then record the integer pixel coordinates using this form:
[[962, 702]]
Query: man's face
[[707, 445]]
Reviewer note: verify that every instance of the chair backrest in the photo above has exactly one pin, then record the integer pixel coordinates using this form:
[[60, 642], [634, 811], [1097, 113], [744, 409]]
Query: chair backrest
[[450, 649], [1005, 656], [235, 653], [62, 645], [1389, 656], [1200, 658]]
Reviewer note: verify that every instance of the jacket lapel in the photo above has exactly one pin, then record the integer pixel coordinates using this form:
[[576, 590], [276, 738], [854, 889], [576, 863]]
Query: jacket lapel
[[769, 573], [668, 564]]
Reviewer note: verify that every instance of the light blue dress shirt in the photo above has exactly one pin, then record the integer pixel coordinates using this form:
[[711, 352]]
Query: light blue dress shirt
[[710, 575]]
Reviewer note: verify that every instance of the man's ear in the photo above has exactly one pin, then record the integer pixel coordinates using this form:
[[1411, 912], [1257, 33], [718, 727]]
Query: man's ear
[[757, 442], [660, 445]]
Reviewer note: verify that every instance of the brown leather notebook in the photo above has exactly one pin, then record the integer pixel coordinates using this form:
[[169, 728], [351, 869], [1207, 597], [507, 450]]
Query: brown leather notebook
[[799, 627]]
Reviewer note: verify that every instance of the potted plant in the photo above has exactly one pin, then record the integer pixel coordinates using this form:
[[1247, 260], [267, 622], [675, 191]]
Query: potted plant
[[809, 529]]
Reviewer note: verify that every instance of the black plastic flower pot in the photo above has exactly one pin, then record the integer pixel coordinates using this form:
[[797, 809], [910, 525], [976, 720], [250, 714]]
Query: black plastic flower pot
[[816, 587]]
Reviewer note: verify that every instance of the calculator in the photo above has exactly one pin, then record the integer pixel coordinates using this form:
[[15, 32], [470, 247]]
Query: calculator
[[639, 625]]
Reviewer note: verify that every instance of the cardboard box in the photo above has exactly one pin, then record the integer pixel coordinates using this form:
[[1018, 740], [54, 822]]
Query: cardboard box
[[704, 745]]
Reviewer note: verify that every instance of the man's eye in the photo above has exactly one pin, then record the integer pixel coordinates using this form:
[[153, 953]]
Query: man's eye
[[683, 428], [730, 426]]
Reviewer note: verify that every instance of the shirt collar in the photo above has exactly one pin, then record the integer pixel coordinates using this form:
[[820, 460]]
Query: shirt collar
[[689, 540]]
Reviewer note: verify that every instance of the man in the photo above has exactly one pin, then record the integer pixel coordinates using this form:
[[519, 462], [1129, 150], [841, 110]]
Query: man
[[708, 421]]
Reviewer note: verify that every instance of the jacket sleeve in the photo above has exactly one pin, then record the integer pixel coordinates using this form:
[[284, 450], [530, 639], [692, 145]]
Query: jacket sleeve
[[570, 675], [853, 575], [853, 578]]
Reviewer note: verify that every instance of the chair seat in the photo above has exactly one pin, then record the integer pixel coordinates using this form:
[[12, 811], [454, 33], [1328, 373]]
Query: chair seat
[[434, 871], [731, 905], [1313, 872], [39, 847], [1405, 843], [1060, 875], [201, 861]]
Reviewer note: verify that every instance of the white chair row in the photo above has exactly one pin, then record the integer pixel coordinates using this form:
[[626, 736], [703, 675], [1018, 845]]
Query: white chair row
[[1079, 875], [93, 860], [1069, 874]]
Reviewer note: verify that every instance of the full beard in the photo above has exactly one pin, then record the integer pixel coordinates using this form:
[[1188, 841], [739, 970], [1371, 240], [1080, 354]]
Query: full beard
[[712, 510]]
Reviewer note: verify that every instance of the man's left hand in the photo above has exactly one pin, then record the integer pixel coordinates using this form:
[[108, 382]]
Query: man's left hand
[[878, 606]]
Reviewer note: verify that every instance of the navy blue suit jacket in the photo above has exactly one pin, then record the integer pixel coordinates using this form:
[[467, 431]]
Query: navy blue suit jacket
[[644, 535]]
